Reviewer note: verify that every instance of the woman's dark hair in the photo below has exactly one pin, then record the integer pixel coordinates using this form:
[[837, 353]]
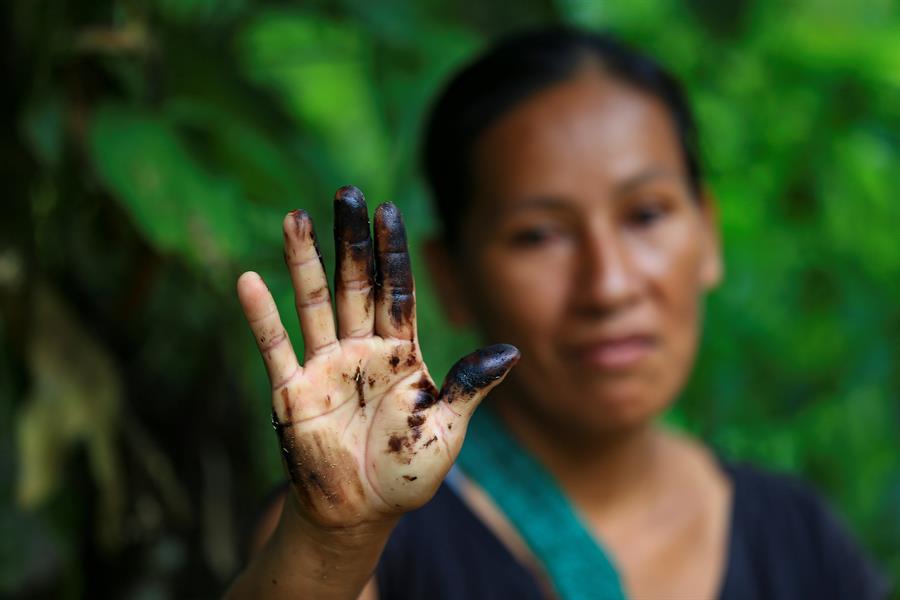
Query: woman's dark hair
[[511, 71]]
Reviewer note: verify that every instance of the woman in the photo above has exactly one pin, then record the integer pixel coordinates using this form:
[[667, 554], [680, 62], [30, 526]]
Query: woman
[[576, 228]]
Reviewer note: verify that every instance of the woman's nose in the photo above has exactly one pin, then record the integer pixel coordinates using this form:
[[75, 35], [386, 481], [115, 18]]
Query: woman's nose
[[608, 276]]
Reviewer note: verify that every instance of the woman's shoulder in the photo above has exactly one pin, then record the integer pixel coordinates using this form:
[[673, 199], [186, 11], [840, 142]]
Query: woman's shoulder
[[784, 508], [787, 542], [768, 495]]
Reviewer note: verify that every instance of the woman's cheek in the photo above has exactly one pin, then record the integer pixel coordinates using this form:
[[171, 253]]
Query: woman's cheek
[[673, 268]]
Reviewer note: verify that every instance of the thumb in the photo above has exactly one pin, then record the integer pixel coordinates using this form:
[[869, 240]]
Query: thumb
[[473, 376]]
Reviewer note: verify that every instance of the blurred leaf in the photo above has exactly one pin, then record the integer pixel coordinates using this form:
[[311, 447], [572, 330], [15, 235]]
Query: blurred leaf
[[237, 148], [178, 206], [321, 70]]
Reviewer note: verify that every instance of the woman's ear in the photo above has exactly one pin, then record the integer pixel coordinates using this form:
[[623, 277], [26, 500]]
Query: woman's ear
[[711, 269], [448, 282]]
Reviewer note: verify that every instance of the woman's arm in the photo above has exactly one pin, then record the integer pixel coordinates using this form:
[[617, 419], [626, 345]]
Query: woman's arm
[[299, 561]]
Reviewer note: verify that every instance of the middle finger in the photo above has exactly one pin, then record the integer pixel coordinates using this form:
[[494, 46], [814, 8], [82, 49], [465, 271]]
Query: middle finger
[[354, 283]]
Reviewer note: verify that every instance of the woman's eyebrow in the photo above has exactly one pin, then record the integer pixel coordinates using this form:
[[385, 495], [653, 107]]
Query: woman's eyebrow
[[643, 177], [535, 203], [557, 203]]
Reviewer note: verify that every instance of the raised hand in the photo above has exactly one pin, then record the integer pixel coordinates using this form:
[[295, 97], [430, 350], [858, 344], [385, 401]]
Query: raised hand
[[365, 434]]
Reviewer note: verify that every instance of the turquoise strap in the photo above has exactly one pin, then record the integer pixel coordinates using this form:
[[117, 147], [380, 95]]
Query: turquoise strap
[[532, 501]]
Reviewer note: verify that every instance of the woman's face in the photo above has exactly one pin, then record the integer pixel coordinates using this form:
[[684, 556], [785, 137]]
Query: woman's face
[[589, 252]]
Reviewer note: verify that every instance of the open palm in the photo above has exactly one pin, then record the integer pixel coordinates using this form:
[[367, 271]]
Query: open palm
[[365, 434]]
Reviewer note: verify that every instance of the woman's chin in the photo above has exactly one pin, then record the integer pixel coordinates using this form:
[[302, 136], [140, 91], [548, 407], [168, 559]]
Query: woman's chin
[[592, 406], [614, 409]]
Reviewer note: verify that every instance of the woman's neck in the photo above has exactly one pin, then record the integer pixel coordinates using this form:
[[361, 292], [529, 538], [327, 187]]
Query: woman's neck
[[601, 474]]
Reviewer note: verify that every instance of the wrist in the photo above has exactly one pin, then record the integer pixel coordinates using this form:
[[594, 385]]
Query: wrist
[[316, 561], [308, 560], [295, 524]]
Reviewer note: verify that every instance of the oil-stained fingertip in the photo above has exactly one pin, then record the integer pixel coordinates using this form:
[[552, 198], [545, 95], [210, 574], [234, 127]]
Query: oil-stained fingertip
[[388, 210], [497, 351], [351, 216], [389, 228], [297, 222], [350, 194], [497, 359], [298, 214], [479, 370]]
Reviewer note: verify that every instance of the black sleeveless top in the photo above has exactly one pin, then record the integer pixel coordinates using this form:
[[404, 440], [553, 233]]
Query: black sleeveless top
[[783, 544]]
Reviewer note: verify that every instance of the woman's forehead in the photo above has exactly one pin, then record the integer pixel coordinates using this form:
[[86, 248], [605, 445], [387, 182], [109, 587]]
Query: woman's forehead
[[592, 130]]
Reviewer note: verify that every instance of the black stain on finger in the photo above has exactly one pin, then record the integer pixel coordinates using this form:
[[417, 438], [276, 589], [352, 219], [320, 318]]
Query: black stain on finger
[[352, 237], [351, 217], [389, 230], [402, 304], [315, 242], [298, 221], [300, 218], [303, 228], [478, 370], [393, 271]]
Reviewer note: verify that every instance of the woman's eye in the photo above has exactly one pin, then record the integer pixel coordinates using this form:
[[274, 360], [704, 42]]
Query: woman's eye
[[647, 215], [532, 236]]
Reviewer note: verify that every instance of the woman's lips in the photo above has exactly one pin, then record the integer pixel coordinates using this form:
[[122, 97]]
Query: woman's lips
[[616, 353]]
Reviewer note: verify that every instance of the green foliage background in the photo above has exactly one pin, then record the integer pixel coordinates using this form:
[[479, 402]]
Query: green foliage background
[[153, 147]]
